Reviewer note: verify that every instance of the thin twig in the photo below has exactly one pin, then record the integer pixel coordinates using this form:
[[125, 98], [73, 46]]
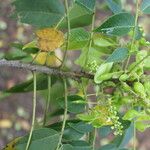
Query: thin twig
[[134, 31], [91, 35], [68, 33], [46, 70], [34, 111], [65, 115], [94, 139], [134, 137], [138, 63], [48, 100]]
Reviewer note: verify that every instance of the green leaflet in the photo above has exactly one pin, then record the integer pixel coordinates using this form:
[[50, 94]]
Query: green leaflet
[[27, 86], [88, 4], [78, 17], [77, 145], [92, 54], [78, 39], [104, 69], [42, 139], [15, 54], [101, 40], [118, 55], [120, 142], [81, 127], [73, 105], [145, 6], [114, 6], [43, 13], [117, 25]]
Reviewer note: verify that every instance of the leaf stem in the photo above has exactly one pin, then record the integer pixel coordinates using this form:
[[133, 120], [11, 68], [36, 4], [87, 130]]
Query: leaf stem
[[65, 115], [48, 100], [85, 96], [138, 63], [91, 36], [34, 111], [134, 137], [94, 139], [68, 33], [134, 31], [34, 58]]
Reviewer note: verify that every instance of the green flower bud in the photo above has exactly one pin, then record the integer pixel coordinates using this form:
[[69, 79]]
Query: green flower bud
[[139, 89], [126, 87], [123, 77]]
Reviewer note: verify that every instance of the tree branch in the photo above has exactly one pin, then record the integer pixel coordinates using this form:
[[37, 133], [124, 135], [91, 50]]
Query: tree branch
[[46, 70]]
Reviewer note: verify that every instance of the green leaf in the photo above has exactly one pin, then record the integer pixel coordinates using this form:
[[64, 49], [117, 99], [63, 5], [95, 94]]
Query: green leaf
[[70, 134], [117, 25], [104, 69], [81, 127], [118, 55], [131, 114], [91, 55], [103, 41], [104, 131], [27, 86], [15, 55], [145, 7], [88, 4], [108, 147], [114, 6], [73, 105], [43, 13], [2, 55], [30, 48], [141, 126], [17, 45], [78, 39], [78, 16], [77, 145], [122, 140], [42, 139], [58, 125]]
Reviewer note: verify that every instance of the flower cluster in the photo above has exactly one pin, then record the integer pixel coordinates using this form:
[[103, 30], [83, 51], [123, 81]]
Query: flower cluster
[[117, 126], [92, 66]]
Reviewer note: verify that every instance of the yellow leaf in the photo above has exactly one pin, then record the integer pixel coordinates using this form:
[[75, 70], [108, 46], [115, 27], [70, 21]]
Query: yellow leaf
[[49, 39]]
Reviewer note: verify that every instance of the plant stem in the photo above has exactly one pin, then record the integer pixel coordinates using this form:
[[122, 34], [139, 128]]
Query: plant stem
[[34, 111], [65, 115], [48, 100], [91, 36], [94, 139], [134, 31], [134, 137], [36, 56], [85, 96], [138, 63], [68, 33]]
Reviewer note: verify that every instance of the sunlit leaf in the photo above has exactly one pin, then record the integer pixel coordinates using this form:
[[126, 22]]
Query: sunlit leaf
[[43, 138], [114, 6], [117, 25], [118, 55], [43, 13], [88, 4], [145, 6]]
